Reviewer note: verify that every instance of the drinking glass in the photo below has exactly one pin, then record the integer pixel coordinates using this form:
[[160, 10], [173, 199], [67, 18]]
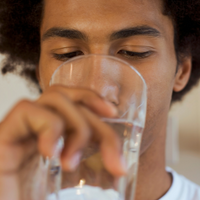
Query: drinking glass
[[121, 84]]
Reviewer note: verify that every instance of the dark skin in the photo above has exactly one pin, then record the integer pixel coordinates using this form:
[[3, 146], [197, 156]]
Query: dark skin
[[153, 36]]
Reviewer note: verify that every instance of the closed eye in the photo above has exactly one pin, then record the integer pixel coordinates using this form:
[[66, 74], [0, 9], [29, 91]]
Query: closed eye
[[128, 54], [66, 56], [131, 54]]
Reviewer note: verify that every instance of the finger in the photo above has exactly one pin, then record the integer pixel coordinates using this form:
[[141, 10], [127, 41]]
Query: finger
[[109, 144], [28, 120], [77, 129], [89, 98], [14, 156]]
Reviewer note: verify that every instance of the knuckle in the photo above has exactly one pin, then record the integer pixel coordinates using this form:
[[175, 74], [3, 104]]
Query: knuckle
[[115, 140], [89, 94], [57, 88], [72, 93], [109, 134], [112, 136], [21, 107], [23, 104], [57, 124], [53, 95], [84, 132], [77, 94]]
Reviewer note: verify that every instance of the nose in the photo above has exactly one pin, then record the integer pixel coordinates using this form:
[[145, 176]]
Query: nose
[[100, 76]]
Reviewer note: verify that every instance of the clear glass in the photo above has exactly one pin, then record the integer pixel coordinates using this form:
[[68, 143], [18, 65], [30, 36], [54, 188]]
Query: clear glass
[[120, 83]]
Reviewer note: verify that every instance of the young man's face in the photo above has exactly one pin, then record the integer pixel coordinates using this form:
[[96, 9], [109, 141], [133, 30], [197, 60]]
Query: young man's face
[[97, 21]]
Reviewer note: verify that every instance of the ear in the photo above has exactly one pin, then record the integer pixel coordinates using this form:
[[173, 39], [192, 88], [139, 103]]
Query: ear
[[183, 74]]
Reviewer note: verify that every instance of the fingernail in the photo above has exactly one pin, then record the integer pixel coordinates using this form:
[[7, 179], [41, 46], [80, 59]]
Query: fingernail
[[75, 160], [112, 108], [58, 147]]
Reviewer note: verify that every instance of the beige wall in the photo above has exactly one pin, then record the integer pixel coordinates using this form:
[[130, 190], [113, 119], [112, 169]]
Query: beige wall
[[12, 89], [187, 113]]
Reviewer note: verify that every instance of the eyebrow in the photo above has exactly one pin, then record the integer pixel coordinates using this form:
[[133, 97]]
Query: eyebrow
[[65, 33], [134, 31], [124, 33]]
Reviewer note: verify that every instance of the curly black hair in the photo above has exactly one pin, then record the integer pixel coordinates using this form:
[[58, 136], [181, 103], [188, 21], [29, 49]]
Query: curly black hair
[[20, 39]]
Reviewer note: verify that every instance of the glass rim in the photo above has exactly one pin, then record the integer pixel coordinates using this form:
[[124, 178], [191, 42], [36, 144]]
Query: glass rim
[[99, 55]]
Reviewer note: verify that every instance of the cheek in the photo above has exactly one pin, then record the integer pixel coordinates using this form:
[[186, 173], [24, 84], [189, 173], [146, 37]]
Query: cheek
[[159, 77]]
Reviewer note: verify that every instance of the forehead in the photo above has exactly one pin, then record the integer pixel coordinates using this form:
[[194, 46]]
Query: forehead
[[103, 15]]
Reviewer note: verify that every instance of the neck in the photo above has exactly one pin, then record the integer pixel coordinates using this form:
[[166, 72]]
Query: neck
[[153, 181]]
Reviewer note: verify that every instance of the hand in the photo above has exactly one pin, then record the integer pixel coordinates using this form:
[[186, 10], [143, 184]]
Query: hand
[[35, 127]]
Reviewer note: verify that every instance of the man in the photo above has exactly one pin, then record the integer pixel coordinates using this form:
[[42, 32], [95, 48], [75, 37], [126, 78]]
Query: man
[[158, 37]]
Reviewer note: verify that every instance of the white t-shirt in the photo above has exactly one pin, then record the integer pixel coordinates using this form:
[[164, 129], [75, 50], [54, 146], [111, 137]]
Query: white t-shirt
[[181, 189]]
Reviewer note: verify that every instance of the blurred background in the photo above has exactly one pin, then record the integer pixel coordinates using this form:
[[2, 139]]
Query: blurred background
[[183, 131]]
